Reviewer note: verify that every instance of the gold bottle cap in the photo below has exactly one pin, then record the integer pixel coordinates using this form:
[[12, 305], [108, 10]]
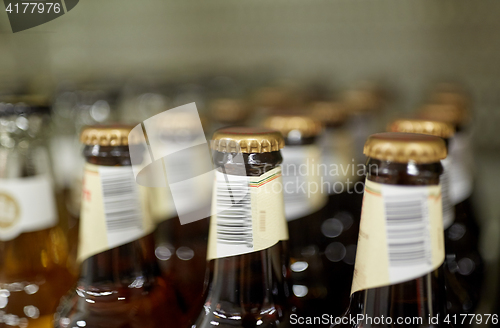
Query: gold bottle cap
[[306, 125], [247, 140], [366, 97], [229, 110], [107, 135], [434, 128], [447, 113], [329, 112], [405, 147]]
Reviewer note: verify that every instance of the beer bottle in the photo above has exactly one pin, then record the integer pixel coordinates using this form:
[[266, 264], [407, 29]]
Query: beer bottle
[[463, 234], [463, 290], [34, 271], [248, 233], [182, 248], [119, 284], [339, 230], [398, 280], [304, 208], [73, 109]]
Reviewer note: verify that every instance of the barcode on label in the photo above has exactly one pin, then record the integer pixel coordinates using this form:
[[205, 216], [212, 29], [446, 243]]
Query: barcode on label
[[122, 207], [234, 215], [407, 226]]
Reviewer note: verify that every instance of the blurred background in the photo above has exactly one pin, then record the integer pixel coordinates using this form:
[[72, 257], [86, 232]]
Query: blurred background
[[128, 48]]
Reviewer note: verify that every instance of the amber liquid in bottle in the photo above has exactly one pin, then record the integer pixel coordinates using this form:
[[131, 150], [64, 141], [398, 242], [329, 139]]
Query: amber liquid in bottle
[[249, 290], [121, 287], [418, 298], [34, 271]]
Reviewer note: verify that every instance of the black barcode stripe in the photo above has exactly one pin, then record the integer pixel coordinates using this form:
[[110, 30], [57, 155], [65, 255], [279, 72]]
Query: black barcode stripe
[[121, 200], [407, 231], [234, 224]]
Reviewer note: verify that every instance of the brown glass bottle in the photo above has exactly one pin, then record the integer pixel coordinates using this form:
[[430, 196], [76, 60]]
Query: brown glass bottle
[[461, 244], [34, 270], [408, 164], [247, 288], [462, 238], [120, 284], [305, 203], [182, 248], [339, 230]]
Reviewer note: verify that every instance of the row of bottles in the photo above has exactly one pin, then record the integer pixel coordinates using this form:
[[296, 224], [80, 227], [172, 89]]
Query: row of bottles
[[285, 248]]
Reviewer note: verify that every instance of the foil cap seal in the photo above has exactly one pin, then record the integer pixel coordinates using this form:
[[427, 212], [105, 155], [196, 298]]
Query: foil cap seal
[[405, 147], [107, 135], [247, 140], [434, 128], [306, 125]]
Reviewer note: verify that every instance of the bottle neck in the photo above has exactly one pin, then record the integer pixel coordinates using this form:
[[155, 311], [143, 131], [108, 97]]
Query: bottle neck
[[242, 277], [116, 244], [401, 227]]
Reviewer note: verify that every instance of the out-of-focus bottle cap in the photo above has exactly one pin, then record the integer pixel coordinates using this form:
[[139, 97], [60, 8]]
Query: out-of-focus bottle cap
[[304, 125], [229, 110], [108, 135], [434, 128], [281, 95], [364, 97], [451, 94], [405, 147], [447, 113], [329, 112], [247, 140]]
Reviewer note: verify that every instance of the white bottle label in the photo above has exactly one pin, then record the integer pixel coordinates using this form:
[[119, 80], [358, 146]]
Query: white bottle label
[[114, 210], [302, 182], [249, 214], [448, 206], [26, 205], [460, 168], [401, 235]]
